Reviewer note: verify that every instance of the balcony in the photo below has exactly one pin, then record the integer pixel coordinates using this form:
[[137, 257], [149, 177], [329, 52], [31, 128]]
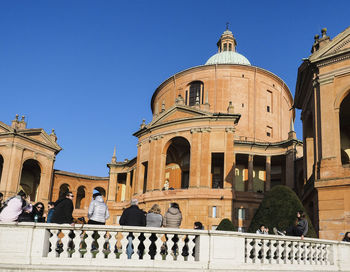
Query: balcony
[[51, 247]]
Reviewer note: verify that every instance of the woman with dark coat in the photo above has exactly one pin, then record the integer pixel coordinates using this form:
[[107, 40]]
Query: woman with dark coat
[[346, 237]]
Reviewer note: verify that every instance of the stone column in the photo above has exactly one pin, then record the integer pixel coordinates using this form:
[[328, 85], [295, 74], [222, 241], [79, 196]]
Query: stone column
[[229, 168], [45, 184], [290, 168], [160, 165], [152, 164], [13, 176], [127, 187], [268, 174], [250, 172], [112, 184], [195, 158], [205, 161]]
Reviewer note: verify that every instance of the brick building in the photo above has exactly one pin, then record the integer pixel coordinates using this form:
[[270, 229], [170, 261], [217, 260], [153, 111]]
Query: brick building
[[221, 136]]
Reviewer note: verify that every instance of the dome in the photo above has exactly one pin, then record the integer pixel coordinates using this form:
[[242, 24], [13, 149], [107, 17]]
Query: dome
[[228, 57]]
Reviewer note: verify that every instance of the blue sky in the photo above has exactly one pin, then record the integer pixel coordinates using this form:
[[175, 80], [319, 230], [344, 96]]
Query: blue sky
[[88, 69]]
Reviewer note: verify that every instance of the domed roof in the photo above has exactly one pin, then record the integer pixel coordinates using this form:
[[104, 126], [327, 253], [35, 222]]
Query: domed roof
[[228, 57]]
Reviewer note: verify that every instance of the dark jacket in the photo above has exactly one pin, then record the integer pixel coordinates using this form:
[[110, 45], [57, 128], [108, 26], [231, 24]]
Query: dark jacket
[[49, 215], [303, 226], [63, 211], [133, 216]]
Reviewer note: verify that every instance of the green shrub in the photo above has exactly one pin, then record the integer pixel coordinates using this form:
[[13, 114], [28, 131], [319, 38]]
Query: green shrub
[[278, 209], [226, 225]]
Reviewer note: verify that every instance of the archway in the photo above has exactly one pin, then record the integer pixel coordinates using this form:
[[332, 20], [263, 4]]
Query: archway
[[101, 190], [344, 126], [64, 188], [30, 178], [177, 166], [80, 198]]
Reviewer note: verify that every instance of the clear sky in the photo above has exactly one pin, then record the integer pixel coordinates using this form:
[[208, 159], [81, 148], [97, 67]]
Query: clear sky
[[88, 69]]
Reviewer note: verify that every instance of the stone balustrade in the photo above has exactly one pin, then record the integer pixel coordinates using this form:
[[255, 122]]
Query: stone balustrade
[[39, 247]]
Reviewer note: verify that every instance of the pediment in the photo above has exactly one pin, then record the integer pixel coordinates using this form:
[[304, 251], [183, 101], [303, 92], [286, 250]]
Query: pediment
[[39, 135], [5, 128], [340, 44], [178, 113]]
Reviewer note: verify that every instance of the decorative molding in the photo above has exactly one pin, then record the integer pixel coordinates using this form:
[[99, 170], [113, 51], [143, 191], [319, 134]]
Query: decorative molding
[[230, 129]]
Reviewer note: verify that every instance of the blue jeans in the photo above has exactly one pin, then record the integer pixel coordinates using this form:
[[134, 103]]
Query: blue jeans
[[129, 250]]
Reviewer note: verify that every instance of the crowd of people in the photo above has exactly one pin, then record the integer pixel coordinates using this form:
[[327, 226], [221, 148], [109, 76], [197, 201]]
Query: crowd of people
[[18, 208]]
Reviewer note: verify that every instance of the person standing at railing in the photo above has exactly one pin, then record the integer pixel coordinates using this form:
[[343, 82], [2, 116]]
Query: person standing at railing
[[98, 211], [13, 207], [51, 208], [132, 216], [346, 237], [172, 219], [154, 219], [64, 210], [300, 228], [262, 230]]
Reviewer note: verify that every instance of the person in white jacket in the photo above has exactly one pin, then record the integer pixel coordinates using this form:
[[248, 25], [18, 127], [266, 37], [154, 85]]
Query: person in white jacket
[[98, 210]]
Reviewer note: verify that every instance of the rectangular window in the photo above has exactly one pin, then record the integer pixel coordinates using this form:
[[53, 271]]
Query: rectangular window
[[225, 46], [230, 47], [186, 97], [145, 172], [269, 131], [269, 101], [213, 213], [217, 170]]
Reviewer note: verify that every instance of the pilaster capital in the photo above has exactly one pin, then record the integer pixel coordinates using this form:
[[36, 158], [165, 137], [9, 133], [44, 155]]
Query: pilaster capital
[[230, 129], [195, 130]]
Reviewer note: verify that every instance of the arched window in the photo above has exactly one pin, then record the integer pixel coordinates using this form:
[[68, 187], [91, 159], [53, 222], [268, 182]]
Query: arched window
[[64, 188], [1, 166], [80, 198], [196, 93], [30, 178], [177, 169], [344, 125], [101, 190]]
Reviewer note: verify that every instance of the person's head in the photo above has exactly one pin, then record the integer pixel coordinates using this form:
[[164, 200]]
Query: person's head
[[69, 195], [39, 207], [262, 227], [96, 194], [134, 202], [300, 214], [175, 205], [1, 197], [198, 225], [347, 235], [51, 205], [22, 194], [155, 209]]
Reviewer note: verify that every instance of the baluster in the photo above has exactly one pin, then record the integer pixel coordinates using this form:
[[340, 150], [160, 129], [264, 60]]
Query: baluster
[[302, 253], [289, 249], [180, 247], [100, 243], [124, 242], [76, 241], [191, 245], [297, 253], [136, 242], [318, 254], [170, 244], [159, 244], [274, 251], [314, 252], [259, 249], [53, 242], [249, 250], [112, 243], [308, 250], [88, 242], [65, 241], [147, 243]]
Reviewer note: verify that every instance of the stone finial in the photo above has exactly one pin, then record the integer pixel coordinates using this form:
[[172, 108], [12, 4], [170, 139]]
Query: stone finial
[[324, 32], [316, 38], [114, 157], [53, 135], [320, 42], [179, 100], [23, 117], [230, 108], [16, 117], [143, 124]]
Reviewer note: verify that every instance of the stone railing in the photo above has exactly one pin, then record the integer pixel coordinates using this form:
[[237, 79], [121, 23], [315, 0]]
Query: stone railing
[[39, 247]]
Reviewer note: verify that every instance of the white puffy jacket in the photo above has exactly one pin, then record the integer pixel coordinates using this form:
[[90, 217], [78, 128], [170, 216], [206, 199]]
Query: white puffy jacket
[[98, 210]]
